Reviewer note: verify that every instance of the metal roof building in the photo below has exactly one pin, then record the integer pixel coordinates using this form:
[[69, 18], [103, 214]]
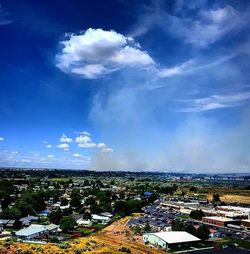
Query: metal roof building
[[170, 239]]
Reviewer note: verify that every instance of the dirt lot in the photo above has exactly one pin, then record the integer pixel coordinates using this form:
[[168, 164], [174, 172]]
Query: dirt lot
[[233, 198], [117, 234]]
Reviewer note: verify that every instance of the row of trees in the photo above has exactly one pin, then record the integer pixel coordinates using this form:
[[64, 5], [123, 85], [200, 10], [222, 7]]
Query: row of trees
[[201, 232]]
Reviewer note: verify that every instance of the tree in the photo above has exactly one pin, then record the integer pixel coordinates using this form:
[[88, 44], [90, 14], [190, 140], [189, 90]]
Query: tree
[[216, 198], [137, 229], [177, 225], [12, 213], [197, 214], [203, 232], [86, 216], [121, 207], [67, 223], [64, 202], [193, 189], [190, 229], [55, 216], [147, 228], [75, 199]]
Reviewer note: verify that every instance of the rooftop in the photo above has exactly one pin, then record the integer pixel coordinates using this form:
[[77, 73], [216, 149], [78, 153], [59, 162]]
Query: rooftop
[[176, 237], [218, 218], [31, 230]]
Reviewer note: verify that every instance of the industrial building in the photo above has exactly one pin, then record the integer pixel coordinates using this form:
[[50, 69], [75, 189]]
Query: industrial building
[[168, 240], [217, 220]]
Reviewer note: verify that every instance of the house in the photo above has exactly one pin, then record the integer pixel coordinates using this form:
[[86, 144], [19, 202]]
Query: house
[[100, 219], [26, 221], [7, 223], [31, 232], [36, 230], [82, 222], [170, 239], [107, 214]]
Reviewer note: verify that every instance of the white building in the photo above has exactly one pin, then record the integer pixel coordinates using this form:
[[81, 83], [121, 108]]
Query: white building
[[166, 240], [36, 230], [82, 222], [100, 219]]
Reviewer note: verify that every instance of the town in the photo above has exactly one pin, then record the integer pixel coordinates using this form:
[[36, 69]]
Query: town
[[153, 211]]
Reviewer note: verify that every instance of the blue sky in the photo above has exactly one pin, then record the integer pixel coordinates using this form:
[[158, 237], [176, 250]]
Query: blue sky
[[125, 85]]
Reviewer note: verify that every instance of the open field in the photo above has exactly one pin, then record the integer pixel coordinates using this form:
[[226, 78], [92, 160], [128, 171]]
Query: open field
[[108, 240], [233, 198]]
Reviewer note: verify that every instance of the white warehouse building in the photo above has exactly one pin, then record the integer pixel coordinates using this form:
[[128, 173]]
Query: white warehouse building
[[166, 240]]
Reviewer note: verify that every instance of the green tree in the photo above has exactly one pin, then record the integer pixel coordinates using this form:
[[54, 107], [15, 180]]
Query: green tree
[[75, 199], [197, 214], [67, 223], [147, 228], [190, 229], [203, 232], [177, 225], [55, 216]]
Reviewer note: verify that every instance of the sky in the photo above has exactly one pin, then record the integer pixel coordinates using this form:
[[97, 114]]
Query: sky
[[125, 85]]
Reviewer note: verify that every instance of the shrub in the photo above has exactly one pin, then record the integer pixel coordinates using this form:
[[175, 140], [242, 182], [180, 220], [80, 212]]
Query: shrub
[[125, 249]]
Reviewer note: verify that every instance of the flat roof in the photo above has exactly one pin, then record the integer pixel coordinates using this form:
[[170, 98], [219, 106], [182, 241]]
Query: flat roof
[[218, 218], [176, 237]]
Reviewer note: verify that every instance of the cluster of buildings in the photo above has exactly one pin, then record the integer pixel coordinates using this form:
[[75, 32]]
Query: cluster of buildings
[[159, 216]]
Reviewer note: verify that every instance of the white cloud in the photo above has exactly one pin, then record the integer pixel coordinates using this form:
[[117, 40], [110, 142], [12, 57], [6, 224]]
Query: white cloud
[[85, 133], [215, 102], [194, 65], [1, 139], [48, 146], [76, 155], [85, 141], [101, 145], [87, 145], [177, 70], [50, 156], [209, 26], [97, 52], [107, 150], [63, 146], [26, 160], [45, 142], [201, 29], [15, 152], [65, 139]]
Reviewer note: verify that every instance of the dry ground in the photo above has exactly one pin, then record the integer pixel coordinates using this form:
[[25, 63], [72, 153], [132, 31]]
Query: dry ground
[[233, 198]]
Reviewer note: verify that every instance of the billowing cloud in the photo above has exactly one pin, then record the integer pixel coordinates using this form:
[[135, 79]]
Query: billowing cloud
[[97, 52], [50, 156], [48, 146], [101, 145], [64, 146], [65, 139], [1, 138], [84, 141]]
